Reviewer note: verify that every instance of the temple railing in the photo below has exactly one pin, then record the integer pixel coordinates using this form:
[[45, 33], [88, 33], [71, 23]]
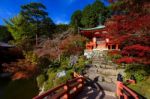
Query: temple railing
[[123, 92], [66, 90]]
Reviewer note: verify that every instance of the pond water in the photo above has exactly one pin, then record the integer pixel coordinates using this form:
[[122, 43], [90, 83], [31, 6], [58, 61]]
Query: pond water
[[18, 89]]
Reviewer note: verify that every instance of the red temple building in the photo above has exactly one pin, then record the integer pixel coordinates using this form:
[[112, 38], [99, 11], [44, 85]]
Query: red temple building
[[97, 39]]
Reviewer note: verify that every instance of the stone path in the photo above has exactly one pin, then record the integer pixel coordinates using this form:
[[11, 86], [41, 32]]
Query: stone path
[[91, 93], [94, 90], [101, 78]]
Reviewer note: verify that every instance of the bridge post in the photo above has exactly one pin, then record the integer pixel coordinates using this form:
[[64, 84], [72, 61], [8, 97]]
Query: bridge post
[[119, 85], [68, 90], [66, 94]]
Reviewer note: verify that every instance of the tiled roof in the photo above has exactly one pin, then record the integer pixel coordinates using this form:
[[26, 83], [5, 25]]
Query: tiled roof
[[95, 28]]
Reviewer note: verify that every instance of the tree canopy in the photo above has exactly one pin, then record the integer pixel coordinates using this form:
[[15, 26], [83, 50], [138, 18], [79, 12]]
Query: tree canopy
[[5, 35], [32, 20], [91, 16], [130, 27], [35, 13]]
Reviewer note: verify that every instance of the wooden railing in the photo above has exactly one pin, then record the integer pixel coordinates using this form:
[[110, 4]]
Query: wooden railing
[[66, 90], [123, 92]]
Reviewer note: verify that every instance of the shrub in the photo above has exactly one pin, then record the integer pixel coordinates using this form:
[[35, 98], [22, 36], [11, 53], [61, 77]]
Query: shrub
[[113, 55], [48, 85], [126, 60], [137, 70], [43, 62], [64, 62], [40, 80], [136, 51], [54, 81], [72, 45], [30, 56], [79, 66]]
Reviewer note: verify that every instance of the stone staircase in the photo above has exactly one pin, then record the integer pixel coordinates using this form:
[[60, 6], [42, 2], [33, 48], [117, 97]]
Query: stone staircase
[[104, 71]]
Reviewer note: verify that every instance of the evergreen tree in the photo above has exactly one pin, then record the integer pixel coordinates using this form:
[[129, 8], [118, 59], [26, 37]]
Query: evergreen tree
[[35, 13], [20, 28], [76, 20], [91, 14], [86, 16]]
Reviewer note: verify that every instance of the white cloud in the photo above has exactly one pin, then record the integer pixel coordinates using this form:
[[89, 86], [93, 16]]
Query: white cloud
[[61, 22]]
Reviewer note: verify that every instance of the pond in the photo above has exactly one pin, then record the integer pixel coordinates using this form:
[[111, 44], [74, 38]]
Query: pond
[[18, 89]]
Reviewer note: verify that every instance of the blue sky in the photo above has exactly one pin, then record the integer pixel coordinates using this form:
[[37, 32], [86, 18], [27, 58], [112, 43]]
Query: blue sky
[[59, 10]]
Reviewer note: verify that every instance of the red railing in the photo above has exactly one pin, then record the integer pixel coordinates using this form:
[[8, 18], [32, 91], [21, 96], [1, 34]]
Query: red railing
[[66, 90], [125, 92]]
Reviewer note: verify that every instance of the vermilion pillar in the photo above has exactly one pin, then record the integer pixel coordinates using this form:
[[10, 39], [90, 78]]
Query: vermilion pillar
[[117, 47], [94, 42]]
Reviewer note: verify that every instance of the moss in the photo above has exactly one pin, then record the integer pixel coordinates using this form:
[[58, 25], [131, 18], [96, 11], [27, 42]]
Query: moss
[[142, 88]]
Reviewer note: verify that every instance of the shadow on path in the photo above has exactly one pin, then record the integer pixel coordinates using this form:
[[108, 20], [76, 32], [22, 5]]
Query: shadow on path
[[92, 90]]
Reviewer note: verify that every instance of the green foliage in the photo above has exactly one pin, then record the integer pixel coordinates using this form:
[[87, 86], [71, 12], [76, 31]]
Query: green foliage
[[5, 35], [53, 80], [138, 70], [80, 64], [142, 88], [35, 14], [49, 83], [20, 28], [31, 21], [86, 14], [64, 62], [30, 56], [61, 28], [40, 80], [43, 62], [60, 80], [140, 75], [93, 14], [117, 56], [55, 64], [76, 20]]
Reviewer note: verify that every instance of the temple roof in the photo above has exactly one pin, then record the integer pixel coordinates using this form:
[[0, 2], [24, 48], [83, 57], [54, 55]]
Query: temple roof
[[95, 28], [91, 32]]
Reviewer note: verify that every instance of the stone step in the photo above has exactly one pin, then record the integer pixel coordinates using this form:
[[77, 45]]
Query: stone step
[[109, 71], [102, 78], [106, 71], [106, 66]]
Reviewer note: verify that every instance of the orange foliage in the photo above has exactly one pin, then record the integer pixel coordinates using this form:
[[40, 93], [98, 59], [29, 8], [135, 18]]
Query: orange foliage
[[20, 69], [74, 44]]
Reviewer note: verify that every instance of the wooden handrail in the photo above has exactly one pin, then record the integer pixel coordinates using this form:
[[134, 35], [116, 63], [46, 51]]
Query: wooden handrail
[[66, 90], [49, 92], [121, 88], [131, 92]]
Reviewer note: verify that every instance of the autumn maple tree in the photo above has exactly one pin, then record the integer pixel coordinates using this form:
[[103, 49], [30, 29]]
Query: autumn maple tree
[[129, 26]]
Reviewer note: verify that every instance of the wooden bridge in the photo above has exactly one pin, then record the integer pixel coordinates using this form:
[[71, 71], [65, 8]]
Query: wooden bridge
[[76, 89]]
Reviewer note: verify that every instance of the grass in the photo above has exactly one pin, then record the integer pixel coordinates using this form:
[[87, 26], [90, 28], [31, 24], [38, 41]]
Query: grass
[[142, 88]]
